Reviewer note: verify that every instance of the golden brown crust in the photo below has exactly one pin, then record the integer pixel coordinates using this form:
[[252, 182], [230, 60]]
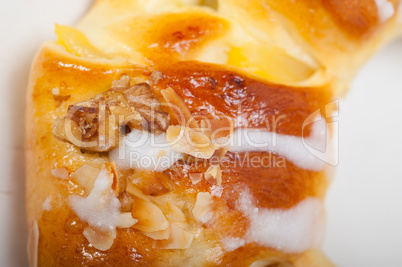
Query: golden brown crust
[[318, 45], [60, 228]]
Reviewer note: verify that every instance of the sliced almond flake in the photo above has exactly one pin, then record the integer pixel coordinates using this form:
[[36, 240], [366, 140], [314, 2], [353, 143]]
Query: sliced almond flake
[[59, 98], [158, 235], [135, 191], [213, 175], [174, 213], [33, 243], [196, 177], [218, 156], [179, 108], [61, 173], [126, 220], [99, 239], [188, 141], [111, 166], [162, 200], [150, 217], [180, 204], [86, 176], [178, 239], [203, 208], [101, 208]]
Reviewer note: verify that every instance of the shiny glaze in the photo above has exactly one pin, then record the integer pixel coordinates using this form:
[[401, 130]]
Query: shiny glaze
[[177, 35], [273, 186], [206, 89], [212, 91]]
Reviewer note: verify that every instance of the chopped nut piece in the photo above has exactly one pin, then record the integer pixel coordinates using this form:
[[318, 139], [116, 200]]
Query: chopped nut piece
[[61, 173], [158, 235], [213, 175], [151, 183], [99, 239], [189, 141], [87, 120], [88, 126], [150, 217], [123, 83], [203, 207], [196, 177], [142, 90], [179, 108], [94, 125], [178, 239], [86, 176], [140, 96], [126, 220], [155, 77], [158, 120]]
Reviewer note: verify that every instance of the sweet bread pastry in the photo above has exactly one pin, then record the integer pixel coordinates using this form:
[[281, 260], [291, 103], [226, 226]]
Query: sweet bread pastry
[[190, 133]]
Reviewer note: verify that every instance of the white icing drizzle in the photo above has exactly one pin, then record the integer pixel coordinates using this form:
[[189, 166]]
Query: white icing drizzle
[[101, 208], [142, 150], [296, 149], [233, 243], [385, 9], [292, 230]]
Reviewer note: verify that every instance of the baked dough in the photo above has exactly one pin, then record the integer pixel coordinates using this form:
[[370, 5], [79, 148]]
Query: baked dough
[[171, 68]]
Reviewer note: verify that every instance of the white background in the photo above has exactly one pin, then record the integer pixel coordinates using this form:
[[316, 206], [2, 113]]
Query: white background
[[364, 202]]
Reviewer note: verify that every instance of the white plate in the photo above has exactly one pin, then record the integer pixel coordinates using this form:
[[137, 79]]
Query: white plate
[[364, 202]]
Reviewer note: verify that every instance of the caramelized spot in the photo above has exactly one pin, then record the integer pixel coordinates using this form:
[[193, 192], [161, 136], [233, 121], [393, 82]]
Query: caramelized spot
[[249, 102], [180, 34]]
